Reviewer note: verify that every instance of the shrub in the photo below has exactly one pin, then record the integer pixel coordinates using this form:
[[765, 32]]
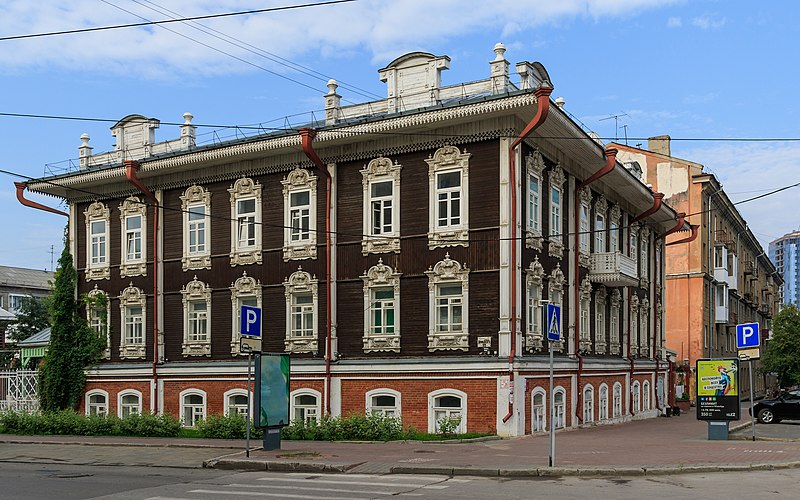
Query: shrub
[[449, 426], [355, 427], [227, 427], [149, 425]]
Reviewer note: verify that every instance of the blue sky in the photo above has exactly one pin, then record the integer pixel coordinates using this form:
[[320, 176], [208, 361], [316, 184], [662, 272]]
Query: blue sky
[[694, 69]]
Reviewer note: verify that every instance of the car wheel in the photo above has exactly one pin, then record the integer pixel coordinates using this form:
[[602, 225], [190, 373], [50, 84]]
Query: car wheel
[[766, 416]]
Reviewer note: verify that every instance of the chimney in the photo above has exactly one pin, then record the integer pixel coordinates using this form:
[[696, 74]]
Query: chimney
[[659, 144]]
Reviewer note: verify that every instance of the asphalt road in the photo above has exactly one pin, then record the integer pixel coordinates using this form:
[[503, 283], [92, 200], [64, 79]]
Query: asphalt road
[[66, 482]]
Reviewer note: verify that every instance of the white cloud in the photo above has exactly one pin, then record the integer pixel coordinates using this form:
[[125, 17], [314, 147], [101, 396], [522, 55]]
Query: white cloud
[[674, 22], [708, 22]]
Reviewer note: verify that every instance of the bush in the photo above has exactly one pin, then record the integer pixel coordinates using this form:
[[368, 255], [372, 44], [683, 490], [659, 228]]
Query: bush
[[68, 422], [149, 425], [226, 427], [355, 427]]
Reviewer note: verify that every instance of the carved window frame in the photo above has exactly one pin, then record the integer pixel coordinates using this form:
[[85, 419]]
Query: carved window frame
[[100, 270], [644, 253], [615, 216], [555, 293], [614, 321], [617, 401], [130, 208], [600, 320], [584, 226], [245, 287], [96, 321], [588, 404], [196, 196], [534, 166], [377, 171], [556, 178], [585, 298], [443, 273], [132, 297], [534, 284], [644, 327], [193, 292], [301, 283], [380, 278], [448, 159], [602, 402], [245, 189], [297, 181], [634, 326], [600, 223]]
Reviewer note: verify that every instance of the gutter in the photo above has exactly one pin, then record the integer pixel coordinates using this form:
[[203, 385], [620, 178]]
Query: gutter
[[20, 186], [688, 239], [307, 135], [131, 167]]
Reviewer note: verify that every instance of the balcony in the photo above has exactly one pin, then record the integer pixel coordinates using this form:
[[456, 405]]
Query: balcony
[[613, 269], [721, 275], [721, 314]]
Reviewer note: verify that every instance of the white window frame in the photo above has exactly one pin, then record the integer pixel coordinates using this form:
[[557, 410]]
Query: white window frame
[[196, 292], [614, 321], [433, 409], [585, 296], [614, 228], [557, 235], [183, 406], [634, 325], [300, 283], [618, 403], [98, 267], [636, 396], [644, 327], [600, 221], [446, 273], [534, 166], [370, 408], [560, 409], [378, 171], [602, 403], [245, 189], [644, 254], [226, 401], [245, 287], [96, 408], [132, 297], [584, 226], [600, 320], [133, 207], [534, 283], [96, 321], [194, 197], [646, 395], [634, 243], [588, 404], [539, 413], [121, 406], [380, 278], [448, 159], [304, 247], [293, 406]]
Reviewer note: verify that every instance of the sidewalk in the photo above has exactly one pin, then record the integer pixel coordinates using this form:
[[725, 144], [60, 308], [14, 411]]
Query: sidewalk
[[653, 446]]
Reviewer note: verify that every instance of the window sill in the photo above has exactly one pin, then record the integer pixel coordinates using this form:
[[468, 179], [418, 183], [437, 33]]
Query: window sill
[[448, 342]]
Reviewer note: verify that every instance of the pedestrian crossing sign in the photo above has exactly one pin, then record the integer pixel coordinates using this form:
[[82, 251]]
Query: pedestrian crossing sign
[[553, 322]]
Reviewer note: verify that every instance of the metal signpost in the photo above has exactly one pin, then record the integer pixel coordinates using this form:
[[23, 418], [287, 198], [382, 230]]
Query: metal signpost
[[250, 333], [747, 342], [553, 335]]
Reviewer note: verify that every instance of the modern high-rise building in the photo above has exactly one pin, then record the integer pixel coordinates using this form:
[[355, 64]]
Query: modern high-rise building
[[784, 253]]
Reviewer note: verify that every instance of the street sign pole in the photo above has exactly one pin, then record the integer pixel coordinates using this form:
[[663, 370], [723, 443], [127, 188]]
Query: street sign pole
[[553, 325], [249, 401], [752, 414], [552, 412]]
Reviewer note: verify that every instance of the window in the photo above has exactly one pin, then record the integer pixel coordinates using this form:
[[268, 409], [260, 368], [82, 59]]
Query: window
[[245, 222], [534, 165], [448, 285], [555, 212], [447, 405], [614, 216], [245, 291], [535, 312], [97, 402], [129, 402], [448, 184], [98, 220], [644, 327], [534, 203], [614, 336], [196, 318], [383, 402], [585, 295], [602, 403], [236, 402], [585, 236], [600, 320], [305, 405], [299, 215], [636, 395], [133, 219], [555, 285], [301, 312], [634, 243], [634, 325], [196, 207], [588, 404], [98, 312], [556, 242], [559, 404], [617, 400], [381, 181], [538, 411], [381, 309], [15, 302], [646, 396], [193, 407], [644, 255], [132, 303], [600, 207]]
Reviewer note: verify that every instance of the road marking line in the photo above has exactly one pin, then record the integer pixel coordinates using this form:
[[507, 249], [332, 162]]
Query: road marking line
[[342, 482], [263, 494], [277, 487]]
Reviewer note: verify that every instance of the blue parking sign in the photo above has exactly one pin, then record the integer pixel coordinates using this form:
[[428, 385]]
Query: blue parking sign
[[554, 322], [747, 336], [250, 325]]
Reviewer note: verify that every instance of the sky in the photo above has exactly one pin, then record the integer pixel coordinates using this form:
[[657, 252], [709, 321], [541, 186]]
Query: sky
[[705, 72]]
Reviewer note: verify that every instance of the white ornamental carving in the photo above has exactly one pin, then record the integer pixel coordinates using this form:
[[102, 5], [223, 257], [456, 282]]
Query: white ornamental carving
[[381, 276]]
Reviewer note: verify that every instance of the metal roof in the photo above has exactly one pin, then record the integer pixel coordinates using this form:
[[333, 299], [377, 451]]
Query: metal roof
[[6, 316], [25, 278], [36, 340]]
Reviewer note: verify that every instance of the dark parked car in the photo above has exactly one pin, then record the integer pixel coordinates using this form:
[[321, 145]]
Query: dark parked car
[[785, 407]]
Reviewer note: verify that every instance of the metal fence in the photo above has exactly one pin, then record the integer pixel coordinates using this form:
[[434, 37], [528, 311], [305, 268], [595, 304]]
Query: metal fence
[[18, 390]]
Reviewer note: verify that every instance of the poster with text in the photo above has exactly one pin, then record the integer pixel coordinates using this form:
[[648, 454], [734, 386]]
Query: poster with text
[[717, 389], [272, 390]]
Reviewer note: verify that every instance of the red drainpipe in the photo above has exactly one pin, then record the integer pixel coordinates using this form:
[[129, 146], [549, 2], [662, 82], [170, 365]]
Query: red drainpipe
[[688, 238], [542, 109], [131, 167], [611, 162], [307, 135], [32, 204], [679, 226]]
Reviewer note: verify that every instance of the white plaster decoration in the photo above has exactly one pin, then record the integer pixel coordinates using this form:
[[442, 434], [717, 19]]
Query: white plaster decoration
[[84, 151], [133, 233], [188, 132], [555, 247], [245, 222], [584, 296], [196, 208], [534, 166], [381, 207], [333, 106], [534, 281], [615, 322], [96, 321], [600, 320], [448, 183], [448, 309], [499, 70], [196, 318], [555, 290], [634, 326], [585, 226], [133, 315], [644, 260], [299, 215], [381, 309], [644, 322], [245, 291], [98, 222], [413, 81], [302, 299]]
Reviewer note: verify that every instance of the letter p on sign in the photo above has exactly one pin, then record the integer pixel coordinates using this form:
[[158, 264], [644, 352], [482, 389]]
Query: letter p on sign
[[250, 325], [747, 336]]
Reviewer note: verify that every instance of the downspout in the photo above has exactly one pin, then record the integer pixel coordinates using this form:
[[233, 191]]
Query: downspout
[[611, 162], [32, 204], [131, 167], [542, 94], [679, 226], [688, 239], [307, 135]]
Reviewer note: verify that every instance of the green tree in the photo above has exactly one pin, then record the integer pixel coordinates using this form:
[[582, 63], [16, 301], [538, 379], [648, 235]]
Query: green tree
[[782, 355], [74, 345], [33, 316]]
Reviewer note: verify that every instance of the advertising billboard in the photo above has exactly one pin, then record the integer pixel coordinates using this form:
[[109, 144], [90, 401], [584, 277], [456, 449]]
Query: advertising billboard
[[717, 389], [272, 390]]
